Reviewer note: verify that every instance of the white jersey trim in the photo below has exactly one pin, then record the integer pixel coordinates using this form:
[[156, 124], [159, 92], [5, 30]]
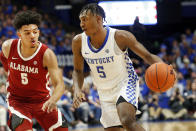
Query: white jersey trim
[[48, 82], [13, 111], [28, 58], [59, 122]]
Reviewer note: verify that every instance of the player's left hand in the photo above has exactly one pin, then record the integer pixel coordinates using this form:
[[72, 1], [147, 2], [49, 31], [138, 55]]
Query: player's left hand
[[49, 105]]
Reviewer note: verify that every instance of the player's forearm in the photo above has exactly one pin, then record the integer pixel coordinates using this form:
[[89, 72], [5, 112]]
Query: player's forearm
[[78, 79], [59, 89], [151, 59]]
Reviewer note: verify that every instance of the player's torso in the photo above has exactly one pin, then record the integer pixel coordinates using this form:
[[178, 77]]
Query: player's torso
[[26, 76], [107, 67]]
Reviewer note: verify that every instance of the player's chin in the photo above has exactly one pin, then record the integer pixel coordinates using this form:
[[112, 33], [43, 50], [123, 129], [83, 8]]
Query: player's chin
[[87, 33]]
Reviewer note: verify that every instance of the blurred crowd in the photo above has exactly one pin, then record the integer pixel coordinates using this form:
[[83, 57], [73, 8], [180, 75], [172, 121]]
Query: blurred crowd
[[179, 50]]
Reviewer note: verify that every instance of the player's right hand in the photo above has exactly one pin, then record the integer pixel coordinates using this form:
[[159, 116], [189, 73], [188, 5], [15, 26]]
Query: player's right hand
[[79, 96]]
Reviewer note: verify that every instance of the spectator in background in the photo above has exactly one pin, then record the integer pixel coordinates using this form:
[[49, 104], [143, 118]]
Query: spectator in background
[[163, 52], [53, 44], [154, 108], [180, 83], [3, 107], [176, 109], [60, 48], [144, 90], [184, 47], [193, 43], [190, 101], [185, 69], [188, 35], [138, 30], [94, 102], [65, 105], [3, 75], [193, 65], [67, 40], [59, 35]]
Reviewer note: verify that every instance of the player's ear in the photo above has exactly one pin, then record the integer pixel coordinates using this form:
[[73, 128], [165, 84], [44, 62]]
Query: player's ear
[[39, 31], [99, 18]]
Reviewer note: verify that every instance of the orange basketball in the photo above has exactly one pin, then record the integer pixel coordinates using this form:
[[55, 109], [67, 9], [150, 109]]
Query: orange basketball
[[160, 77]]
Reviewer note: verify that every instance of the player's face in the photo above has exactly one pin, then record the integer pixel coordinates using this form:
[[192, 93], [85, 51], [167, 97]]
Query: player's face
[[89, 22], [29, 35]]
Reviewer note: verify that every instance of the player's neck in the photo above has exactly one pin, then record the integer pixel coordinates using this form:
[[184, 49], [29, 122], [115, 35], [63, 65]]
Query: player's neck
[[98, 38], [27, 51]]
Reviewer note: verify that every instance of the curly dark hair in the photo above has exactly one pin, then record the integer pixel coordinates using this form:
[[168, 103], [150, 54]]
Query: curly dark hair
[[26, 18], [95, 9]]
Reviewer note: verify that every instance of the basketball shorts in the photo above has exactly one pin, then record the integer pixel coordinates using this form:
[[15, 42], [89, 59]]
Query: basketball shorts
[[108, 99], [48, 121]]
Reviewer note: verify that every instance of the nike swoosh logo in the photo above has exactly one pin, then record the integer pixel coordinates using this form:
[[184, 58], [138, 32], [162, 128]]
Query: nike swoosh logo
[[14, 58]]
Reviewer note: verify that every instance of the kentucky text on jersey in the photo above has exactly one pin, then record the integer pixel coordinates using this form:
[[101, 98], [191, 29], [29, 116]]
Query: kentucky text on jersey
[[100, 60], [24, 68]]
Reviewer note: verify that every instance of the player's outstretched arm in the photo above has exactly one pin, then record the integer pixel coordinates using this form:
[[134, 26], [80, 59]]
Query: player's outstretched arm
[[126, 39], [78, 75], [50, 62]]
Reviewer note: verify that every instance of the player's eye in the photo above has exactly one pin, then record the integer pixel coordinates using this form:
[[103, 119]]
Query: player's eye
[[83, 19]]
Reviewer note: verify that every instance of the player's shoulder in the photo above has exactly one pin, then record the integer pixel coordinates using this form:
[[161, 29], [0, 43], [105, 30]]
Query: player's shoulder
[[7, 43], [122, 36], [122, 33], [77, 38], [48, 56], [48, 53], [6, 47], [77, 42]]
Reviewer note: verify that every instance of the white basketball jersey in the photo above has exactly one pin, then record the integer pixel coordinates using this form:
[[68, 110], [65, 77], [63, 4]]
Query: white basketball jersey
[[108, 64]]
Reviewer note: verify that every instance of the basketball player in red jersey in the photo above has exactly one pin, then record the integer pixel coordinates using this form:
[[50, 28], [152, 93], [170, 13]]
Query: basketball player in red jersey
[[29, 64]]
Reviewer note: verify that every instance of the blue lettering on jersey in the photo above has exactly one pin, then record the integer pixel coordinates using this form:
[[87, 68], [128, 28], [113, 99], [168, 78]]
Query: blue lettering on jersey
[[109, 59]]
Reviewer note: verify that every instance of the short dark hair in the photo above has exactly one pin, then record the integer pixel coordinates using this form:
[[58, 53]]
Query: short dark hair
[[26, 18], [95, 9]]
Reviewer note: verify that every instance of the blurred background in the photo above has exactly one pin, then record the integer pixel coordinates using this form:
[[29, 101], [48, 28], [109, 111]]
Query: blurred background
[[165, 27]]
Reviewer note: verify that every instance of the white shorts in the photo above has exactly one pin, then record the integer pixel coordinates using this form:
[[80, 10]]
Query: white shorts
[[128, 89]]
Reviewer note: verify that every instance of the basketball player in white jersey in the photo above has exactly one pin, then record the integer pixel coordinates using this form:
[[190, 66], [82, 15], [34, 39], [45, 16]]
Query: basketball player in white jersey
[[105, 51]]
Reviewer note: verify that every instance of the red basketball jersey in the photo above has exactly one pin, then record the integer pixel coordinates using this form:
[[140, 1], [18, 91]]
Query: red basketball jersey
[[28, 79]]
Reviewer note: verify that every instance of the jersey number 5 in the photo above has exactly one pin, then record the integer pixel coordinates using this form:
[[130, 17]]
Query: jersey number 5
[[24, 78], [101, 72]]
